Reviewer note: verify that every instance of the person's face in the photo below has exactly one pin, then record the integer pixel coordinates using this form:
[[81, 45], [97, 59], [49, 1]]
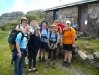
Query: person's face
[[33, 23], [26, 29], [44, 25], [24, 22], [67, 25], [53, 29], [37, 31]]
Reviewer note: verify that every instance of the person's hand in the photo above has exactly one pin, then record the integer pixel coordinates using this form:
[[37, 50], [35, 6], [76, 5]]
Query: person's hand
[[61, 44], [55, 46], [27, 55], [49, 46], [19, 55], [73, 45]]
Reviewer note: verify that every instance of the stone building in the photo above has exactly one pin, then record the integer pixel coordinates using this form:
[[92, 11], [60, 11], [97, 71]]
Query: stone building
[[84, 14]]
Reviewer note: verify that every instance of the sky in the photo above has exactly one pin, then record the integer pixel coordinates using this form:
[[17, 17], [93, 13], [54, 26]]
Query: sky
[[7, 6]]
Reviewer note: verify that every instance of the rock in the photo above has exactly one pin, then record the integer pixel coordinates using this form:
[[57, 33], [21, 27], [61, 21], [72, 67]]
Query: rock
[[96, 64], [90, 57], [82, 55], [96, 54]]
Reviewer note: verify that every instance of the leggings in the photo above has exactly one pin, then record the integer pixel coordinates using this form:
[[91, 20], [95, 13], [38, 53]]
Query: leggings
[[32, 59], [52, 54]]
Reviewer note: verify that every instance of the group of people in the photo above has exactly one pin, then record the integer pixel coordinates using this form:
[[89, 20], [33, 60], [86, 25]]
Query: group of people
[[35, 39]]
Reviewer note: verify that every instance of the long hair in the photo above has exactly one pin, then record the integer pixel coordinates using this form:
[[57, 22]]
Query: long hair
[[44, 22]]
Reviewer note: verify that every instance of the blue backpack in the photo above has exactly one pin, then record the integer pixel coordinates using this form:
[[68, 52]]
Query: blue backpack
[[51, 38], [43, 37], [51, 41]]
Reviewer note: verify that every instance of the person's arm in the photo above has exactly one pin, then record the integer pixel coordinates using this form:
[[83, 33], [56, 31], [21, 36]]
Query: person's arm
[[18, 49], [18, 39], [58, 38], [48, 40], [74, 36], [18, 28]]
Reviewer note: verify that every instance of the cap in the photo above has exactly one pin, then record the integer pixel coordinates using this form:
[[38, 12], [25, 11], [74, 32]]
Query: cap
[[23, 18], [53, 25], [68, 21]]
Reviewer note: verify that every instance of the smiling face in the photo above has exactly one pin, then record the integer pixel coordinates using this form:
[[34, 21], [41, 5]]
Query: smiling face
[[37, 32], [23, 21], [26, 29], [33, 23], [53, 29], [44, 25], [67, 25]]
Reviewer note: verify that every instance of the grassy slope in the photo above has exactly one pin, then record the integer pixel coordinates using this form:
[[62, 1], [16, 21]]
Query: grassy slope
[[7, 69], [5, 56], [84, 66]]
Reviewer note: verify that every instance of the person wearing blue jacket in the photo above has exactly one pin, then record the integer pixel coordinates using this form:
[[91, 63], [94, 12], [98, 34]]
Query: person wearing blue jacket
[[20, 51]]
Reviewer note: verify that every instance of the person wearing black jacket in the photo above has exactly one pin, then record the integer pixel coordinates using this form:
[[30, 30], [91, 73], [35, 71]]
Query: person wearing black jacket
[[33, 47]]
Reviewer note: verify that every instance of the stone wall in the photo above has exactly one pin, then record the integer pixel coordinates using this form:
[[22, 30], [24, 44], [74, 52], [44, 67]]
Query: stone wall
[[93, 17], [71, 13], [65, 13]]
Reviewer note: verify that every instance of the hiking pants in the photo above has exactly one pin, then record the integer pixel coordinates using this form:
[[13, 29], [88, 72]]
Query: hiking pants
[[32, 59], [52, 54], [19, 63]]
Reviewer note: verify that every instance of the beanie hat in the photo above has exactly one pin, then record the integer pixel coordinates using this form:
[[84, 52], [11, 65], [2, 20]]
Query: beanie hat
[[36, 27]]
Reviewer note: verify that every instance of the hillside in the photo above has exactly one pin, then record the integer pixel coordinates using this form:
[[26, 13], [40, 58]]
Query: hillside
[[10, 16], [9, 20]]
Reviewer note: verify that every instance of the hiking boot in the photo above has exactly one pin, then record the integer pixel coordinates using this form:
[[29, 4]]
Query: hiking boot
[[43, 59], [68, 64], [40, 59], [48, 65], [35, 70], [29, 71], [64, 63], [53, 64]]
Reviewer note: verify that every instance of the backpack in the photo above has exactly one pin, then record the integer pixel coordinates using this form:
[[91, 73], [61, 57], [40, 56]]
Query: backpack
[[51, 41], [43, 37], [51, 34], [65, 31], [46, 30], [12, 38]]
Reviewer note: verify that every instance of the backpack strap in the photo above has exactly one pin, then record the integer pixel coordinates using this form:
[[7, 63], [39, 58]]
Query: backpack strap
[[51, 34], [40, 29], [66, 30], [19, 26], [22, 36], [46, 30]]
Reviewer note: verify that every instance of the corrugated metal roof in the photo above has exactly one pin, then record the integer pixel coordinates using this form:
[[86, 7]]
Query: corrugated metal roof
[[72, 4]]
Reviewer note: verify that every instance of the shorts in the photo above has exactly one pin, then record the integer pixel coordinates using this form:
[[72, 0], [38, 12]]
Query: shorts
[[44, 45], [68, 47]]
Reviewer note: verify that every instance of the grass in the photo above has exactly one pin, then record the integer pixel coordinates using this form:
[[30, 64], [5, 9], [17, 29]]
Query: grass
[[85, 67], [5, 57], [79, 66]]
